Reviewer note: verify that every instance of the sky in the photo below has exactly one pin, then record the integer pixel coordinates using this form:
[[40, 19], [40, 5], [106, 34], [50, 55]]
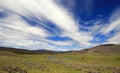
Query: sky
[[59, 25]]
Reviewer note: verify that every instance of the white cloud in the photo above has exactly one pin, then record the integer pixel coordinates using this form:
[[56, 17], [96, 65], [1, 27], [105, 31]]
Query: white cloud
[[114, 22], [19, 34], [115, 15], [41, 9], [115, 39], [15, 23], [112, 26], [15, 32], [45, 8], [81, 38]]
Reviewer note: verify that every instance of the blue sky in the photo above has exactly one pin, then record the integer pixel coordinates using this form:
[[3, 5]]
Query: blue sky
[[59, 24]]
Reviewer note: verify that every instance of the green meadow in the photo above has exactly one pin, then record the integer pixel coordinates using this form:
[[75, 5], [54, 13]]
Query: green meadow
[[59, 63]]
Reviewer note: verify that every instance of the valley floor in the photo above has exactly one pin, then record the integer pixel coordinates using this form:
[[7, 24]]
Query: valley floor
[[60, 63]]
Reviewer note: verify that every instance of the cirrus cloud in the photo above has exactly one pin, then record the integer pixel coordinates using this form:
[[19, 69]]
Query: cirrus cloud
[[45, 16]]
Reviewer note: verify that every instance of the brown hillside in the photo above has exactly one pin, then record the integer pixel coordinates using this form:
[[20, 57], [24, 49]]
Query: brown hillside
[[105, 49]]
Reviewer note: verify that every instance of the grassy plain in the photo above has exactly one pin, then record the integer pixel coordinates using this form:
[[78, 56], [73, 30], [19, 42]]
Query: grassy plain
[[59, 63]]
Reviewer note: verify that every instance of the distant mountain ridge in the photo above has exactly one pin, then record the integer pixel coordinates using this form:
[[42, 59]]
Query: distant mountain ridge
[[101, 49], [45, 50], [24, 51], [16, 50]]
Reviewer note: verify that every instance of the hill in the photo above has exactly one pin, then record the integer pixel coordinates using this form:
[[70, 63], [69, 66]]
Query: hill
[[24, 51], [15, 50], [101, 49], [105, 49], [7, 53]]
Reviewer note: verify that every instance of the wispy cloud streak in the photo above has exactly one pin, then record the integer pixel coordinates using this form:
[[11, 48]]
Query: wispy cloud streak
[[16, 31]]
